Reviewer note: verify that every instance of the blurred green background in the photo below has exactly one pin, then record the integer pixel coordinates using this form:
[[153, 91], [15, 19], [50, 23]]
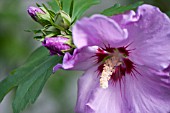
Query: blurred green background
[[59, 94]]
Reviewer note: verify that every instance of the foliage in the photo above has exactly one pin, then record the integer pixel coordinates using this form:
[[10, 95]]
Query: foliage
[[75, 8], [29, 79], [117, 9]]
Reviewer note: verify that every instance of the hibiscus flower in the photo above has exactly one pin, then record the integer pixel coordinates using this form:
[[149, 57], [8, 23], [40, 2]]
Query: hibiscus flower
[[126, 59]]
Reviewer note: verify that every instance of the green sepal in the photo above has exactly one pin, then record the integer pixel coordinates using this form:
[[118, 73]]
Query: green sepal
[[63, 19], [51, 35], [51, 31], [70, 41], [39, 38], [43, 19]]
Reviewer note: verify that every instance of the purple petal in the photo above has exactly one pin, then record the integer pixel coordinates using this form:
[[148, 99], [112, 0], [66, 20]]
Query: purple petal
[[143, 94], [126, 18], [149, 35], [82, 59], [98, 31], [86, 84], [93, 99], [148, 92]]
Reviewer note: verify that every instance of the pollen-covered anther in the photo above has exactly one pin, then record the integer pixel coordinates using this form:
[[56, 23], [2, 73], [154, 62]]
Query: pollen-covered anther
[[108, 70]]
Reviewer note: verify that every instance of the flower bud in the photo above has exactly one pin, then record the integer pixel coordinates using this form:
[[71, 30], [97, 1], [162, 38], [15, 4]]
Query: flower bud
[[57, 45], [63, 19], [40, 15], [32, 11]]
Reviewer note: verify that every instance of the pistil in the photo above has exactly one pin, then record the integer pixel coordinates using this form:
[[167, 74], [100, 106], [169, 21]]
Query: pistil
[[115, 64], [108, 69]]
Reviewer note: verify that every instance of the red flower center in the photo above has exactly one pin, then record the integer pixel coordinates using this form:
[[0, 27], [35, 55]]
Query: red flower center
[[114, 64]]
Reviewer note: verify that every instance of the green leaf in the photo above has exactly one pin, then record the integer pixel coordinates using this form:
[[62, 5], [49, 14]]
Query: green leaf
[[53, 5], [168, 13], [59, 4], [75, 8], [117, 9], [66, 4], [71, 8], [80, 6], [29, 79]]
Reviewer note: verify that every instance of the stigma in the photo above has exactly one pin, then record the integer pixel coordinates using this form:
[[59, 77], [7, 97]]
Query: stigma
[[109, 68], [115, 64]]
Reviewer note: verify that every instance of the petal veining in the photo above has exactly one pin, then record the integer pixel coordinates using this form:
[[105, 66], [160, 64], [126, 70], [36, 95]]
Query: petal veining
[[98, 31]]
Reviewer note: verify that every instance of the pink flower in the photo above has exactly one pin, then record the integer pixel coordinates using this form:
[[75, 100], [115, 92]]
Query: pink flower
[[126, 59]]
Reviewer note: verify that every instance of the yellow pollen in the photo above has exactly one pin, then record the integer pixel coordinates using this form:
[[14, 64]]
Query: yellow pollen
[[108, 70]]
